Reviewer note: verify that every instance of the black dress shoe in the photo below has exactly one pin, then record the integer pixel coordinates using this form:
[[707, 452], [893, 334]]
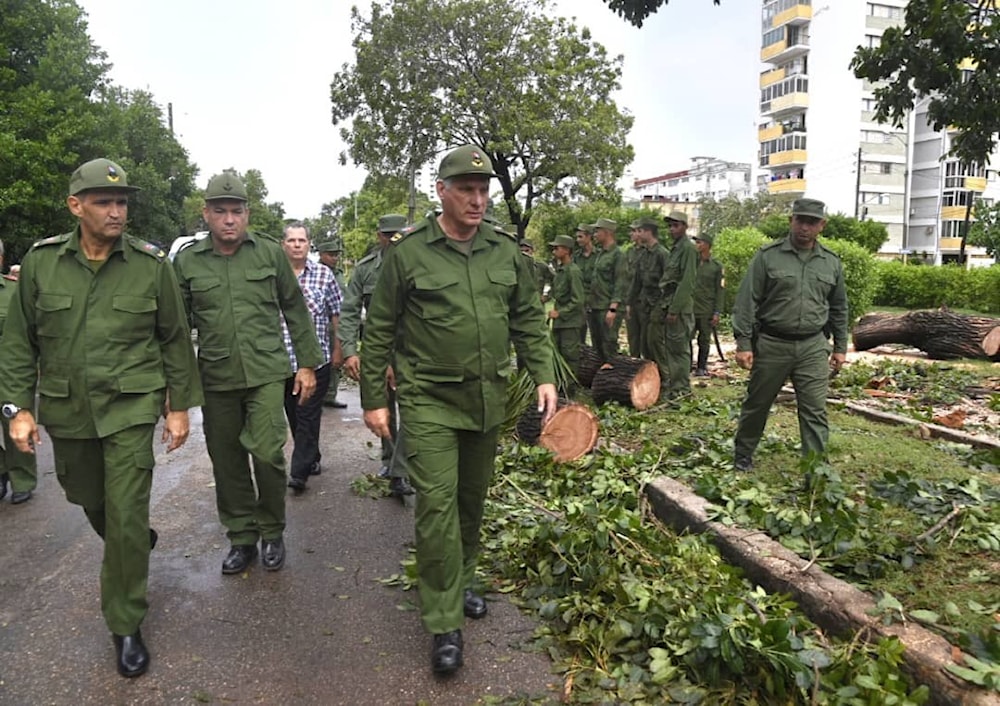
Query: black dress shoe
[[446, 655], [153, 538], [133, 657], [239, 558], [297, 484], [20, 496], [398, 487], [383, 472], [272, 553], [315, 469], [475, 605]]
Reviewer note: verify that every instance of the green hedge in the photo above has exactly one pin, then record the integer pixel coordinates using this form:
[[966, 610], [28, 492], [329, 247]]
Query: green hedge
[[734, 247], [926, 287]]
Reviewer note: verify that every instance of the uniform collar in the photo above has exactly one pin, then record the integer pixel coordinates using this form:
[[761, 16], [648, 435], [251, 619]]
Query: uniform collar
[[206, 243], [818, 249], [485, 235], [73, 245]]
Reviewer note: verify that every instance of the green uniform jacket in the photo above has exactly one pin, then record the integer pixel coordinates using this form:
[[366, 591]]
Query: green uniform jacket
[[101, 347], [586, 265], [632, 257], [567, 296], [7, 289], [357, 296], [543, 275], [235, 302], [792, 292], [649, 269], [677, 283], [708, 292], [456, 315], [609, 279]]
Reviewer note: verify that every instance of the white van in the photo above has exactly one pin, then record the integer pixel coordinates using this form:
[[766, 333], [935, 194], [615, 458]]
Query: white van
[[181, 241]]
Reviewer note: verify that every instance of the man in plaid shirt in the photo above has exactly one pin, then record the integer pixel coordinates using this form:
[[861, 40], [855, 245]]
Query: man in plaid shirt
[[323, 298]]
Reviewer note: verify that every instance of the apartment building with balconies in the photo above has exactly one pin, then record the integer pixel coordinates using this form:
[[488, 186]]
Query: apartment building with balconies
[[706, 177]]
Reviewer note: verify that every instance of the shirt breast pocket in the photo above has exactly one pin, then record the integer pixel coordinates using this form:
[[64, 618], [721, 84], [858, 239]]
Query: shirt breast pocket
[[262, 284], [133, 318], [205, 293], [436, 296], [54, 314], [821, 284]]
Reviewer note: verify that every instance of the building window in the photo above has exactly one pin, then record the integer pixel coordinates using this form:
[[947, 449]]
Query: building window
[[869, 105], [872, 41], [885, 11]]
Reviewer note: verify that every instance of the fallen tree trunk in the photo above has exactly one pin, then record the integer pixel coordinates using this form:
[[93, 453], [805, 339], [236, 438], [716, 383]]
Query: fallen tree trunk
[[569, 434], [942, 335], [633, 382], [590, 363]]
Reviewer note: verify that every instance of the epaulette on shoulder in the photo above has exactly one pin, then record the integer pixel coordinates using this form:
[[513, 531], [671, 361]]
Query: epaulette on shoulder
[[369, 257], [415, 228], [501, 231], [773, 244], [148, 248], [828, 250], [54, 240]]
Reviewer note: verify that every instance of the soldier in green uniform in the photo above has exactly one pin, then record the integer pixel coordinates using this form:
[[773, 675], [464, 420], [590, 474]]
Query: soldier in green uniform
[[608, 285], [584, 257], [16, 467], [543, 274], [566, 313], [648, 311], [633, 326], [236, 285], [453, 294], [98, 327], [708, 299], [677, 287], [329, 254], [357, 300], [791, 300]]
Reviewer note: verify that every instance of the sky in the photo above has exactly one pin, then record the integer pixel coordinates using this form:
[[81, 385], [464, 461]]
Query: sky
[[250, 87]]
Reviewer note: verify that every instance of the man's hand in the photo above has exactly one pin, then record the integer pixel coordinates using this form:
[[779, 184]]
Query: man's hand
[[548, 399], [176, 428], [24, 432], [744, 359], [352, 366], [337, 358], [609, 319], [715, 320], [305, 384], [553, 313], [377, 420], [837, 361], [390, 378]]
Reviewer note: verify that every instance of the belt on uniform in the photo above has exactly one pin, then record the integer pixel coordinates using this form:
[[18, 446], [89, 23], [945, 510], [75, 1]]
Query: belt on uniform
[[774, 333]]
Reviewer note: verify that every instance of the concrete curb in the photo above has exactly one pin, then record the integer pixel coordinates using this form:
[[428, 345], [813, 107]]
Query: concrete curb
[[833, 604]]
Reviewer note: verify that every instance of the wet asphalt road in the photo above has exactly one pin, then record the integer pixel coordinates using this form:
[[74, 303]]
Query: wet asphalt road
[[323, 630]]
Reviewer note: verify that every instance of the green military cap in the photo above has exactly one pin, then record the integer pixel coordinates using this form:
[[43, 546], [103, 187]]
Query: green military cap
[[468, 159], [99, 174], [225, 186], [809, 207], [331, 245], [585, 228], [562, 241], [645, 222], [678, 216], [525, 243], [705, 238], [605, 223], [391, 223]]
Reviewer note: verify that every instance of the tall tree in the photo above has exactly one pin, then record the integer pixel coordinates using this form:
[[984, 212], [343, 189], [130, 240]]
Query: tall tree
[[985, 230], [533, 90], [636, 11]]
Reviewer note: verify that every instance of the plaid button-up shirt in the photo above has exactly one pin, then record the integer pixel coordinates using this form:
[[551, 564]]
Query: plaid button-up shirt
[[323, 298]]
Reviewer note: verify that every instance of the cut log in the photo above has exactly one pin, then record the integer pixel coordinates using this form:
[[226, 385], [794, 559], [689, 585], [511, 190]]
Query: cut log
[[633, 382], [942, 335], [590, 363], [569, 434]]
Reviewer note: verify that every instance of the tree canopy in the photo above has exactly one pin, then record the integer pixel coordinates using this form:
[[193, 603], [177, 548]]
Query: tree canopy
[[636, 11], [947, 51], [532, 90]]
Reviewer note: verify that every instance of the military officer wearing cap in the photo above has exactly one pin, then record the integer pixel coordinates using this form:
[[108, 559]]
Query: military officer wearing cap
[[98, 327], [236, 286], [708, 299], [566, 313], [633, 328], [791, 300], [16, 467], [329, 252], [647, 313], [357, 301], [543, 273], [584, 257], [677, 287], [608, 286], [453, 294]]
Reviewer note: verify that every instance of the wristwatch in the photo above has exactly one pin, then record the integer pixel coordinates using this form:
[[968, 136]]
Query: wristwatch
[[9, 410]]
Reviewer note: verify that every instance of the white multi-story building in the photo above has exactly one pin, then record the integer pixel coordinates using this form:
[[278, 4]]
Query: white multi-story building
[[818, 136], [706, 177]]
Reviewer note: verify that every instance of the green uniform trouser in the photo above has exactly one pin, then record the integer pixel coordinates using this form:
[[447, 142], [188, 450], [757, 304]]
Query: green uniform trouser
[[678, 350], [331, 392], [634, 326], [111, 479], [601, 337], [238, 423], [654, 342], [774, 361], [567, 342], [703, 328], [451, 471], [393, 453], [22, 467]]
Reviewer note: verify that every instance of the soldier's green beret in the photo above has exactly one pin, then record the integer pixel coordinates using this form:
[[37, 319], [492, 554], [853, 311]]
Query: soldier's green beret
[[99, 174], [391, 223], [809, 207], [225, 186], [331, 245], [468, 159], [605, 223], [562, 241], [705, 238], [677, 217]]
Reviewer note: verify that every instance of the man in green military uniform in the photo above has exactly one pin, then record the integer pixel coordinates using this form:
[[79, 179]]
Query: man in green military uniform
[[677, 289], [357, 300], [444, 287], [543, 274], [16, 467], [584, 257], [566, 313], [633, 327], [708, 299], [608, 285], [236, 287], [791, 300], [98, 327], [647, 312], [330, 252]]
